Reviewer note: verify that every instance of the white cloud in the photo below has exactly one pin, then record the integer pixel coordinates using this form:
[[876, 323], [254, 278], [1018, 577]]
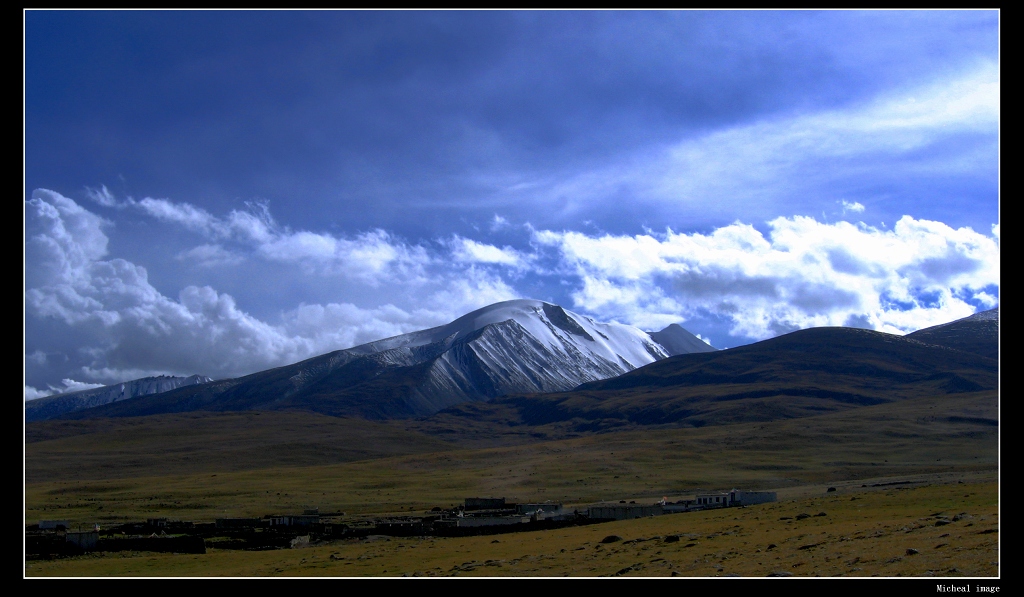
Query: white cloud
[[754, 161], [499, 223], [970, 102], [469, 251], [184, 214], [37, 358], [61, 238], [804, 273], [102, 196], [133, 330], [468, 290], [853, 206], [777, 161], [66, 385], [211, 256], [338, 325], [373, 257], [801, 273], [132, 325], [110, 375], [70, 385], [31, 393]]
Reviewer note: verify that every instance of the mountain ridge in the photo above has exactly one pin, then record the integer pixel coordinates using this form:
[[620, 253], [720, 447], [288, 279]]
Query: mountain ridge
[[799, 374], [522, 345], [56, 405]]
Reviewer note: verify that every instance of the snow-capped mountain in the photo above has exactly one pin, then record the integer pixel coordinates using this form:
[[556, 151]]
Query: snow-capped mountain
[[59, 404], [519, 346]]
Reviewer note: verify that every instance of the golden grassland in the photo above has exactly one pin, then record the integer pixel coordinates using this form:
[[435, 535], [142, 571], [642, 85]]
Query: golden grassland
[[200, 467], [888, 532], [98, 481]]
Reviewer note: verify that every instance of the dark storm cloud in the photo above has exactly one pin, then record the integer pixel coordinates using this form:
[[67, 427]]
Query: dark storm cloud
[[425, 112]]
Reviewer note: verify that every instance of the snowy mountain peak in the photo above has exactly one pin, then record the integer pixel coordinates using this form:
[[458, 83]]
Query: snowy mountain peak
[[513, 347], [517, 346], [551, 325]]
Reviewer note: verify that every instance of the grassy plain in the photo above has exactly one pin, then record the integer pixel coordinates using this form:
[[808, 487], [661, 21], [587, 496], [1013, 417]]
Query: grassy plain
[[889, 531], [110, 471]]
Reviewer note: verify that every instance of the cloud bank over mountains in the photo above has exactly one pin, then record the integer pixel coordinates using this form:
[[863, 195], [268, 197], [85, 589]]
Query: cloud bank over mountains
[[108, 322], [219, 204]]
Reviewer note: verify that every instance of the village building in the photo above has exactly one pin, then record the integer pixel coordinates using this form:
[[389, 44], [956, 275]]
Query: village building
[[622, 511], [734, 497]]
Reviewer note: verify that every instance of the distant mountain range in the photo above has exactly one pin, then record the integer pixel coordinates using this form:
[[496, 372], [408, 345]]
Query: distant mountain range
[[510, 347], [528, 362], [803, 373], [59, 404]]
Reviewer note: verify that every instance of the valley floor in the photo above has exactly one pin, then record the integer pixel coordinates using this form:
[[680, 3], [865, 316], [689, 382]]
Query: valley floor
[[936, 525]]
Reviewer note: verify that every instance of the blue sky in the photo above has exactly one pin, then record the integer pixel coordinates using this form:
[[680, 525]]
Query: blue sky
[[219, 192]]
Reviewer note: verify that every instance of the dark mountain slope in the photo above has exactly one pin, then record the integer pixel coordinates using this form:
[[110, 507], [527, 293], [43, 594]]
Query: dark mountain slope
[[51, 407], [799, 374], [978, 333]]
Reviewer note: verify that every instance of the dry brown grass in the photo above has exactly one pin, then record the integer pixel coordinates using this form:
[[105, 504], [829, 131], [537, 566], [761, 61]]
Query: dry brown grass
[[865, 532], [191, 467]]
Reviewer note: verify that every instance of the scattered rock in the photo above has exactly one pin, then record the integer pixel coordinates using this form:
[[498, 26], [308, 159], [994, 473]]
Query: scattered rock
[[940, 523], [672, 539], [912, 552], [830, 489], [676, 573], [611, 539], [802, 516], [770, 547], [821, 514], [780, 573]]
